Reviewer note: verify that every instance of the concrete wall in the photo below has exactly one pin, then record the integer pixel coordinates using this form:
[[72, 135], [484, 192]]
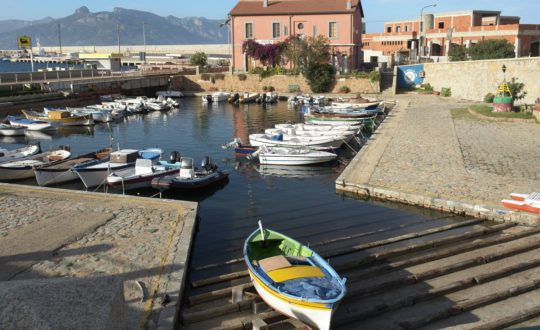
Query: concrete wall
[[472, 80], [254, 84], [134, 49]]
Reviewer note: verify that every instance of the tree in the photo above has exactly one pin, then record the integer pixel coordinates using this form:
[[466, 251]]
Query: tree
[[492, 49], [295, 49], [319, 76], [199, 59], [458, 53], [318, 50]]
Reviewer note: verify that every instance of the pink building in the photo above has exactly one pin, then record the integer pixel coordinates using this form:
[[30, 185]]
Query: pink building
[[273, 21]]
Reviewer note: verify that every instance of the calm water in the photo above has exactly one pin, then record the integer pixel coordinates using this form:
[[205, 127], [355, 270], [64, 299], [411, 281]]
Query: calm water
[[298, 201]]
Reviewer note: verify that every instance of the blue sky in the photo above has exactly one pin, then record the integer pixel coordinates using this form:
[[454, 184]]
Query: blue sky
[[376, 11]]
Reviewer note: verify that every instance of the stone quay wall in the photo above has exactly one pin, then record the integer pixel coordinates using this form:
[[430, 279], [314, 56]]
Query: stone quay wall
[[253, 83], [472, 80]]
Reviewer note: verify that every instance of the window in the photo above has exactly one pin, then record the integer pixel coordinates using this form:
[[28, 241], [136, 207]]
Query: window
[[300, 26], [276, 30], [314, 30], [389, 29], [398, 28], [248, 30], [407, 28], [286, 30], [441, 25], [332, 30]]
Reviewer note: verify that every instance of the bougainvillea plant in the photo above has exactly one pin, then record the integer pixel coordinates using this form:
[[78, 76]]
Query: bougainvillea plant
[[266, 54]]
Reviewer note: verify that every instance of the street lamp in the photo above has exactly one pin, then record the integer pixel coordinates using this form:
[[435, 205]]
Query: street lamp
[[421, 45], [228, 24]]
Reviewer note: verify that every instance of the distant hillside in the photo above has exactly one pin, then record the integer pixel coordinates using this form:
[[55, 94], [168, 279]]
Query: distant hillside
[[84, 28]]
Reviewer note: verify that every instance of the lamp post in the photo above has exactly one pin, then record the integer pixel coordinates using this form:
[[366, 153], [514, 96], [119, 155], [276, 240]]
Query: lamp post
[[228, 24], [144, 40], [421, 44]]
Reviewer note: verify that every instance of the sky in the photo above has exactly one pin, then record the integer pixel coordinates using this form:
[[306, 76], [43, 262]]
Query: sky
[[376, 11]]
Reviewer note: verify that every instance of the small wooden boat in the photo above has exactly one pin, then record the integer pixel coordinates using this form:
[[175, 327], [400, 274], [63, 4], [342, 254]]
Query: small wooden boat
[[239, 148], [309, 133], [60, 118], [524, 202], [23, 169], [95, 173], [220, 96], [10, 130], [280, 140], [19, 153], [248, 98], [312, 127], [30, 124], [291, 156], [60, 172], [292, 278], [190, 178], [143, 173]]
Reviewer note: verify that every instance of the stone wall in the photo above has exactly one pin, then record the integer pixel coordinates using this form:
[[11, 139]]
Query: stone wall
[[472, 80], [253, 83]]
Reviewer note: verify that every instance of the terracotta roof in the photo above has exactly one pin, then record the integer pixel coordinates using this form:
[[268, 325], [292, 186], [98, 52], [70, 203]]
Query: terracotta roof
[[255, 7]]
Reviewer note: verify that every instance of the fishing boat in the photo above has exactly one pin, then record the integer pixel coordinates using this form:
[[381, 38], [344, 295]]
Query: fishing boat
[[143, 173], [191, 178], [95, 173], [248, 98], [99, 116], [60, 118], [60, 172], [524, 202], [30, 124], [311, 133], [292, 278], [220, 96], [356, 104], [239, 148], [23, 168], [291, 156], [19, 153], [355, 126], [10, 130], [280, 140]]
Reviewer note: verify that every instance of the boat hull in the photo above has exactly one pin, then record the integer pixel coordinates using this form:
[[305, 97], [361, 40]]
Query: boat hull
[[18, 131], [314, 314], [522, 206], [314, 143], [270, 159], [137, 181], [174, 183]]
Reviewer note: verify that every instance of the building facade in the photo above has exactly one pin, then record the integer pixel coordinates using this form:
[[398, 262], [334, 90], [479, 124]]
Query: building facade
[[273, 21], [403, 40]]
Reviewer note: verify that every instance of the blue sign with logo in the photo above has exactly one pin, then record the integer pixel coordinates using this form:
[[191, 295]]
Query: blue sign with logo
[[410, 75]]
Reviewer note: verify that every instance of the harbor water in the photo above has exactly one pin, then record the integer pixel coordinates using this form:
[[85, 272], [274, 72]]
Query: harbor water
[[299, 201]]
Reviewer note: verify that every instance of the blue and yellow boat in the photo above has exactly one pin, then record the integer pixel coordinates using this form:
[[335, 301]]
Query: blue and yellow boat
[[292, 278]]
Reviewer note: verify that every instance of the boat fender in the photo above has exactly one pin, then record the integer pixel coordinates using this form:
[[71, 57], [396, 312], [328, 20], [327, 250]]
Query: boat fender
[[174, 157]]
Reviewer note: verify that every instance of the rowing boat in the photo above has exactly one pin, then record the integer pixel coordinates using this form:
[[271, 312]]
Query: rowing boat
[[292, 278]]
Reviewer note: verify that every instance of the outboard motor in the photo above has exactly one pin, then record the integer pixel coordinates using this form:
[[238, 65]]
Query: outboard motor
[[235, 97], [174, 157], [208, 98], [208, 164]]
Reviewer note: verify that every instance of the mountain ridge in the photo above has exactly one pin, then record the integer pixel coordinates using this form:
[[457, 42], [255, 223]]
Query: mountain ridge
[[85, 28]]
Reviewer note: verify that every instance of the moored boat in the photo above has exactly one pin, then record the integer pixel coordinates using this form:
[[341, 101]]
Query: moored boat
[[291, 156], [95, 174], [30, 124], [10, 130], [524, 202], [143, 173], [60, 172], [190, 178], [19, 153], [23, 168], [60, 118], [292, 278], [280, 140]]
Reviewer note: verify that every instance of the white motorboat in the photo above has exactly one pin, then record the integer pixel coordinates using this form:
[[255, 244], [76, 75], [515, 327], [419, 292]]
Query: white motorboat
[[10, 130], [19, 153], [101, 116], [313, 127], [142, 174], [311, 133], [220, 96], [291, 156], [95, 174], [280, 140], [60, 172], [23, 168]]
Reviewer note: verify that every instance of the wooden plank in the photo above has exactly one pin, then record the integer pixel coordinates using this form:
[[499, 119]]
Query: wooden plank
[[220, 279], [217, 294], [192, 317]]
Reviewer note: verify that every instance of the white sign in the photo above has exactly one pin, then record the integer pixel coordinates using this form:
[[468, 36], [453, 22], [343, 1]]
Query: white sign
[[265, 42]]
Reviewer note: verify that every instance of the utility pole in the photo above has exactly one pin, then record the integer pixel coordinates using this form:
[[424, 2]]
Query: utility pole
[[118, 36], [144, 36], [59, 40]]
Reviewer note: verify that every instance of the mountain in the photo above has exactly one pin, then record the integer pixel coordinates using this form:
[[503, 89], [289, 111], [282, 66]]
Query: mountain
[[84, 28]]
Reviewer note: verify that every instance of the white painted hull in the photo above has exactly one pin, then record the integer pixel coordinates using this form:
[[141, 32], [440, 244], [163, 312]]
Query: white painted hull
[[12, 131], [219, 97], [45, 177], [315, 317], [11, 174], [98, 176], [315, 143], [288, 156]]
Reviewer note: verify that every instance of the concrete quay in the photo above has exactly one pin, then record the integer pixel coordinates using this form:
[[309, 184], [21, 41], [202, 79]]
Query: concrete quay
[[427, 153], [112, 261]]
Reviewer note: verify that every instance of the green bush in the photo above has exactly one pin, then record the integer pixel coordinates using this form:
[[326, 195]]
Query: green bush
[[199, 58], [458, 53], [363, 74], [491, 49], [319, 77], [489, 98], [446, 91], [205, 76], [242, 77], [219, 76], [374, 76], [516, 88], [428, 87], [344, 89]]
